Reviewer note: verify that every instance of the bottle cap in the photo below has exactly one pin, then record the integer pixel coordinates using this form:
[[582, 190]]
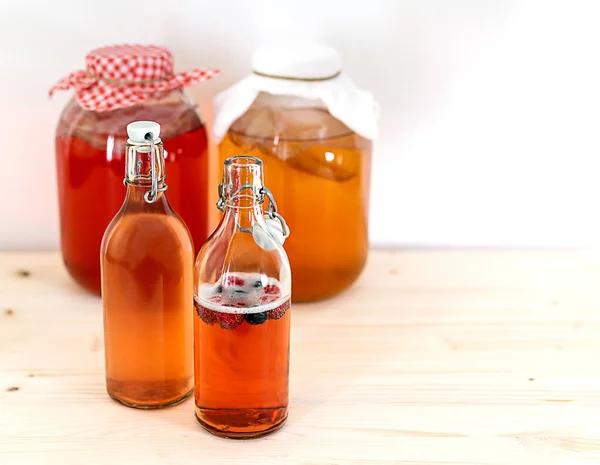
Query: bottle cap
[[270, 235], [137, 131]]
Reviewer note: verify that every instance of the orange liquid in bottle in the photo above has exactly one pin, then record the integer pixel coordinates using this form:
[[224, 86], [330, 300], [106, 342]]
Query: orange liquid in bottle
[[242, 360], [147, 267], [321, 187], [91, 191]]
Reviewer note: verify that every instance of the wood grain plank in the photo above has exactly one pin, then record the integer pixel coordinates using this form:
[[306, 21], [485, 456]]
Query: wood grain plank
[[432, 358]]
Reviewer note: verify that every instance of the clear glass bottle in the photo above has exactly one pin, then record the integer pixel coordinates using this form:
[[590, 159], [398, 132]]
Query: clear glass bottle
[[146, 263], [242, 289]]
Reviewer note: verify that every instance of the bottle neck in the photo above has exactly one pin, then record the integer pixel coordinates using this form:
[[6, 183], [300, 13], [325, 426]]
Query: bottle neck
[[145, 171], [244, 216], [135, 201], [242, 194], [136, 193]]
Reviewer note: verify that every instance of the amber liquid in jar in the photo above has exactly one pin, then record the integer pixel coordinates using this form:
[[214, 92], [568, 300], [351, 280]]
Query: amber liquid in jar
[[242, 357], [322, 189], [148, 304], [90, 150]]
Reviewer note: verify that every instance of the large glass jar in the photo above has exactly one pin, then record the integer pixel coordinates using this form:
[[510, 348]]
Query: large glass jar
[[318, 170], [317, 167], [90, 163]]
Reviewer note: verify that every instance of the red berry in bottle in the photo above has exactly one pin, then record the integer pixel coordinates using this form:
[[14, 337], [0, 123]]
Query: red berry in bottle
[[230, 281], [271, 289], [208, 316], [230, 320], [278, 312]]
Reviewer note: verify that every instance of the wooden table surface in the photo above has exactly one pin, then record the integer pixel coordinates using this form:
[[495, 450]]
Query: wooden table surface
[[448, 357]]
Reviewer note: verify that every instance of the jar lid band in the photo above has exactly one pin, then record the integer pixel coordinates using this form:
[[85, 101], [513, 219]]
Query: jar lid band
[[123, 82], [291, 78]]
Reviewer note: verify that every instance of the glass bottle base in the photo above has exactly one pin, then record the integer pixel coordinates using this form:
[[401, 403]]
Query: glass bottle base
[[144, 395], [241, 423]]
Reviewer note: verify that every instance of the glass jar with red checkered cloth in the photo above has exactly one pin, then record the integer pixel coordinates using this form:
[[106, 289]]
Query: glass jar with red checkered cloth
[[121, 84]]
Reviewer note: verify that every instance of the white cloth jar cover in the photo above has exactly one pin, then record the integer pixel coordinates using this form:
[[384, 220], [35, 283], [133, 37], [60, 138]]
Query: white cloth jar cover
[[308, 70]]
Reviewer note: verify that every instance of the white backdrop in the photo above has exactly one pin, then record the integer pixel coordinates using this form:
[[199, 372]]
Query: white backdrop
[[490, 108]]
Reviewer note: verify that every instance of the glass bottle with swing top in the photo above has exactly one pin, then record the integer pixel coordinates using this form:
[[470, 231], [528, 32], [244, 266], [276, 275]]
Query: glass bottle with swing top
[[146, 264], [242, 289]]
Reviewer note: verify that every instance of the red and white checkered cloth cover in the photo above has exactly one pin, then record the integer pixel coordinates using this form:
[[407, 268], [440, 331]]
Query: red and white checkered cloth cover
[[120, 76]]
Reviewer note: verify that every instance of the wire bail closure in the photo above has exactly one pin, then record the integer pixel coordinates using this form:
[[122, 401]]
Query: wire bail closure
[[271, 211], [151, 195]]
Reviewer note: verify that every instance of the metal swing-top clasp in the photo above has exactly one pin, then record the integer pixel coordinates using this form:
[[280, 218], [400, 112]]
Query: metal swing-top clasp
[[151, 195], [271, 211], [134, 167]]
